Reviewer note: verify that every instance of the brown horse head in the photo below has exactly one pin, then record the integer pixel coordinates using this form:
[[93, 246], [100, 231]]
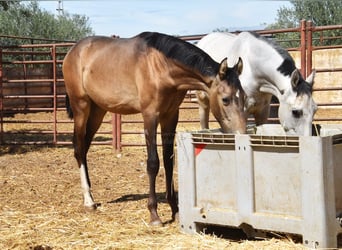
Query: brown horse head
[[227, 98]]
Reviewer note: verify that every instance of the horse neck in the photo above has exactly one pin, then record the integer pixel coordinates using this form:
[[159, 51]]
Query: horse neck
[[260, 62], [187, 79], [277, 79], [264, 70]]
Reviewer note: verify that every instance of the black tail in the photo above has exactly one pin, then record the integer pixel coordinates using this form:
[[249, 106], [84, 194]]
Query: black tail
[[68, 108]]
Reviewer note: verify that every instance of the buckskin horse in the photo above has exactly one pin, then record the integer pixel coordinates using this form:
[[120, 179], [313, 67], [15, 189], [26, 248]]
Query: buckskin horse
[[268, 70], [149, 74]]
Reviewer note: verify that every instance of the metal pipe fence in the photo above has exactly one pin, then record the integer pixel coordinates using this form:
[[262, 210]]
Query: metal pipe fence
[[32, 93]]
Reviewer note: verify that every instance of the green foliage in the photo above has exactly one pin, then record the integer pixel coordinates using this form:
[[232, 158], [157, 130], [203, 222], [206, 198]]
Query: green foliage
[[320, 12], [4, 5], [221, 30], [29, 20]]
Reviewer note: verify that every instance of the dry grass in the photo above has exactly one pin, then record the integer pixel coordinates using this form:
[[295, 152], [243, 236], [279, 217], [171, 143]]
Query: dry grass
[[41, 206], [41, 202]]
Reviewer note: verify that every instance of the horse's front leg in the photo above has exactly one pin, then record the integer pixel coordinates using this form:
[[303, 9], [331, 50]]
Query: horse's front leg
[[203, 101], [261, 110], [168, 130], [150, 130]]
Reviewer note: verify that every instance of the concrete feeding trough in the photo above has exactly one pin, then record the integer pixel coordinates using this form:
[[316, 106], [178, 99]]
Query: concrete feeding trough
[[263, 182]]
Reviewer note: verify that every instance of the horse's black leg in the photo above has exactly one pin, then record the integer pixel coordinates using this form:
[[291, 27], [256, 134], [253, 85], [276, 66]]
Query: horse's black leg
[[150, 129], [86, 122], [94, 122], [168, 129], [81, 115], [262, 110]]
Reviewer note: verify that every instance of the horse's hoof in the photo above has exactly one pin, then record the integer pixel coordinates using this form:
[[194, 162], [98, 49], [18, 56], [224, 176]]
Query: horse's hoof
[[92, 208], [175, 217], [156, 223]]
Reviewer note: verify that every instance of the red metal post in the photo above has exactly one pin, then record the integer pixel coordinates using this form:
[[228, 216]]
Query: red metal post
[[1, 101], [54, 70], [309, 48], [303, 48], [116, 131]]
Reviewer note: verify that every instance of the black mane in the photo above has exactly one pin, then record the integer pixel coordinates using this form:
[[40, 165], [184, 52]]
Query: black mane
[[303, 87], [181, 51], [287, 66]]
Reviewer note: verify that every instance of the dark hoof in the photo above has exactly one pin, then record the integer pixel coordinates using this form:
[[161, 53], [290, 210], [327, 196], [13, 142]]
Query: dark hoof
[[175, 217]]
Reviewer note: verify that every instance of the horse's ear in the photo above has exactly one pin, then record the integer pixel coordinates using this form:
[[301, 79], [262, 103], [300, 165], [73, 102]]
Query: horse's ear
[[310, 78], [295, 77], [223, 69], [238, 66]]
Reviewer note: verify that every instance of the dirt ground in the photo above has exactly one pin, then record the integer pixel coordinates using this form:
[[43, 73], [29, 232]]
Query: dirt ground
[[41, 204]]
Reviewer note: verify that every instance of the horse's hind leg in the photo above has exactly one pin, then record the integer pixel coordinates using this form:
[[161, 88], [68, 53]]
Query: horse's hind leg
[[81, 114], [86, 123], [94, 122], [168, 129]]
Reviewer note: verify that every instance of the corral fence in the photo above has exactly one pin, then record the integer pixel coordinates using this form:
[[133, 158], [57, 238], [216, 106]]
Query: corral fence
[[32, 93]]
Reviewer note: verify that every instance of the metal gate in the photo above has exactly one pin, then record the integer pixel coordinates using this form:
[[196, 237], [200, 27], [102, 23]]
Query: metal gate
[[32, 93]]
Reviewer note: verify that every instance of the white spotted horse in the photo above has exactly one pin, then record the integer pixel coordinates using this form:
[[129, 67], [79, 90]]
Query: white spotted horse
[[268, 70]]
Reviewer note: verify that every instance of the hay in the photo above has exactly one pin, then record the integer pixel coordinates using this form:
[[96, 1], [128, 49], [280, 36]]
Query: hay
[[41, 205]]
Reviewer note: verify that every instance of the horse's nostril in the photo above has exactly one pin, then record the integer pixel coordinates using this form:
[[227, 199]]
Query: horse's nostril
[[297, 113]]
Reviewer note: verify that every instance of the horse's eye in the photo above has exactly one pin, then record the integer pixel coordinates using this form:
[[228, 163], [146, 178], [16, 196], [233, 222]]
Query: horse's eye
[[297, 113], [226, 101]]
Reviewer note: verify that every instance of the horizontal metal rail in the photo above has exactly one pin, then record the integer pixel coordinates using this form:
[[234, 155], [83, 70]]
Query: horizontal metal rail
[[25, 58]]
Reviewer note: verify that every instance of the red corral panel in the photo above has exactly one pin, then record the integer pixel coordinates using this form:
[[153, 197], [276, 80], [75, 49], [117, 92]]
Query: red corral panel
[[32, 92]]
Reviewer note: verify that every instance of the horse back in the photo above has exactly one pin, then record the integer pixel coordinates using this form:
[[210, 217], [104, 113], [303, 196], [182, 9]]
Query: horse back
[[217, 45], [102, 69], [90, 49], [120, 75]]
